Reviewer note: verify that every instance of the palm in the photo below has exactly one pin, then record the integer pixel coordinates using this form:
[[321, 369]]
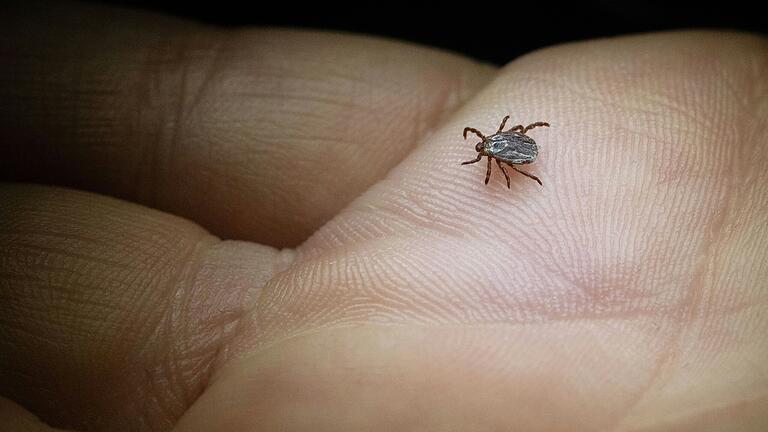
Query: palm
[[625, 294]]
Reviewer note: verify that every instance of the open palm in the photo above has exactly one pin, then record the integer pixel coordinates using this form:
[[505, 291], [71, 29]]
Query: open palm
[[369, 281]]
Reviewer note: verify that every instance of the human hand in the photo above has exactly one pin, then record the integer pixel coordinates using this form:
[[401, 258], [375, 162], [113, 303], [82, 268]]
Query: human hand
[[371, 282]]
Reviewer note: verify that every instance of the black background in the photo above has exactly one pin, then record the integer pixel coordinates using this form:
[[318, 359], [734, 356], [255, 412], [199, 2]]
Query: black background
[[493, 32]]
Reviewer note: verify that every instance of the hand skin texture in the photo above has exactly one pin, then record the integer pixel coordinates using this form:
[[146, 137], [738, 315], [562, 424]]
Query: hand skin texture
[[269, 230]]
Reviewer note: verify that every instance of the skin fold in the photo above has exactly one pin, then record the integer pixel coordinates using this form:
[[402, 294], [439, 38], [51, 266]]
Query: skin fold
[[205, 229]]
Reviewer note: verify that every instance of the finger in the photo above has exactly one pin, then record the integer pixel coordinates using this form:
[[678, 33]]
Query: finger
[[112, 314], [625, 294], [254, 134], [647, 167]]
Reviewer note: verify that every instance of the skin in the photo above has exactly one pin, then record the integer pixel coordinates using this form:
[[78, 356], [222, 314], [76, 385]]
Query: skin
[[206, 230]]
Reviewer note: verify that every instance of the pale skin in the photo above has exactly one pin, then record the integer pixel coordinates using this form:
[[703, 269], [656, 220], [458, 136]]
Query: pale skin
[[627, 294]]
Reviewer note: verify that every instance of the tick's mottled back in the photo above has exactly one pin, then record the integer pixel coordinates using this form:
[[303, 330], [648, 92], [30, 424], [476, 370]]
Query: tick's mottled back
[[512, 147]]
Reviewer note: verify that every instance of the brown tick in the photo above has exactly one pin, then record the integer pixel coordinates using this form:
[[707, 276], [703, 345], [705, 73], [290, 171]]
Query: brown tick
[[513, 147]]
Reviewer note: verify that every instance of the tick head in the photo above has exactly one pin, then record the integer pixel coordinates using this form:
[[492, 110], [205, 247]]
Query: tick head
[[479, 147]]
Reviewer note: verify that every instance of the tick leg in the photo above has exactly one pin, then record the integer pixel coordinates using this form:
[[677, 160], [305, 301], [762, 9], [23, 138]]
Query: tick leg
[[488, 172], [533, 125], [479, 156], [504, 171], [474, 131], [516, 128], [526, 174], [503, 122]]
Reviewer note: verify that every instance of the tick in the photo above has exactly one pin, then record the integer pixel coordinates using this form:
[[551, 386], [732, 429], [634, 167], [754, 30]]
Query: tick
[[513, 147]]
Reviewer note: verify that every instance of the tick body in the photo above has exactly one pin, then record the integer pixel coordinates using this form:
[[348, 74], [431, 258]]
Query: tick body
[[511, 147]]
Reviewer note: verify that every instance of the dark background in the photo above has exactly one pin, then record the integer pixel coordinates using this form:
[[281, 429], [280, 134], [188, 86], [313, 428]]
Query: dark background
[[493, 32]]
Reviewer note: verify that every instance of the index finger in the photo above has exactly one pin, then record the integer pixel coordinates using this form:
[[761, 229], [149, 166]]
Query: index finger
[[257, 135]]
